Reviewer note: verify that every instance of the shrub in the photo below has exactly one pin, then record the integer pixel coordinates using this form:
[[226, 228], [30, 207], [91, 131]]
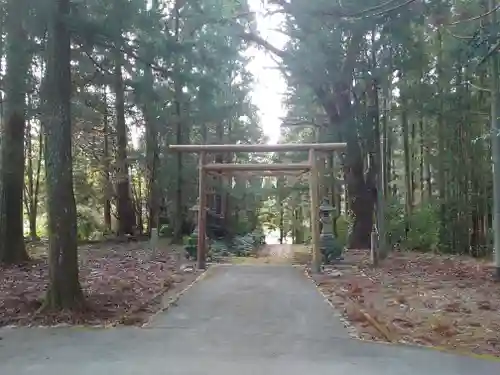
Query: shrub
[[395, 221], [420, 231], [343, 230], [423, 233], [219, 248], [243, 245], [259, 237], [88, 222], [191, 245]]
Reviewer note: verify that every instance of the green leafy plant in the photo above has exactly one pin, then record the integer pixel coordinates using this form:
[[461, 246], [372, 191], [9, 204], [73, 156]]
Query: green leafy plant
[[88, 223], [343, 226], [191, 245], [423, 233], [419, 232]]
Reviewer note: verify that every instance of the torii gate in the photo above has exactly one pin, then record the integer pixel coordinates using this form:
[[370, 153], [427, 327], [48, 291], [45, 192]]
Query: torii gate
[[266, 169]]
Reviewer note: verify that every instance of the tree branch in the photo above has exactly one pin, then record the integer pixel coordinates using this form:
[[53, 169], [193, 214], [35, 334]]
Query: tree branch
[[475, 18], [251, 37], [478, 87]]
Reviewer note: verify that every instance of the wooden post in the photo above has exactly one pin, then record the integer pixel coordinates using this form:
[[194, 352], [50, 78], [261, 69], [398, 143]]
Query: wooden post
[[313, 188], [320, 160], [202, 213]]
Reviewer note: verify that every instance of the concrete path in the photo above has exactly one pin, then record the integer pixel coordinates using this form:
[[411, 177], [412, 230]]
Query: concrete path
[[238, 320]]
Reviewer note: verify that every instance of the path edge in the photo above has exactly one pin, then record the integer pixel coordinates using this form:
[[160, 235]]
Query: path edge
[[351, 329], [172, 301], [391, 341]]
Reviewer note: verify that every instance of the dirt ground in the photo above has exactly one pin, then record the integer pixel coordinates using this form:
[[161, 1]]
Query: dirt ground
[[433, 300], [122, 282]]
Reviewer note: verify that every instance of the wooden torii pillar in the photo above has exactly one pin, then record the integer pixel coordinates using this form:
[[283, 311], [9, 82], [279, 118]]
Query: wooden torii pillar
[[266, 169]]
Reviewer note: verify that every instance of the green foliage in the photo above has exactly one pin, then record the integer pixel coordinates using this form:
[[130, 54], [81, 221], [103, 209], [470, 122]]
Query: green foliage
[[89, 223], [343, 226], [419, 232], [191, 57], [191, 245], [259, 237], [219, 248], [241, 227], [243, 245], [396, 221], [424, 229], [187, 79]]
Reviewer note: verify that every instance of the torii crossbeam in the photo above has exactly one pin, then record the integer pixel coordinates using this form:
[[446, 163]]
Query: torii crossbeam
[[266, 169]]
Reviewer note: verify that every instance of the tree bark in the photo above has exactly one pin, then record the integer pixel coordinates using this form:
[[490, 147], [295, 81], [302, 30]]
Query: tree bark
[[152, 160], [407, 160], [180, 212], [64, 291], [495, 148], [361, 189], [443, 231], [12, 248], [125, 207], [106, 165]]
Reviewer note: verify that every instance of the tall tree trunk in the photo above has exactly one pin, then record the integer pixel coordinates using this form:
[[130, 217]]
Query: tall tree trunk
[[12, 248], [180, 214], [378, 166], [280, 185], [299, 219], [360, 188], [495, 146], [386, 151], [30, 183], [138, 200], [443, 236], [152, 160], [64, 291], [106, 165], [407, 160], [125, 207], [152, 142], [422, 160], [411, 145], [386, 148], [3, 16]]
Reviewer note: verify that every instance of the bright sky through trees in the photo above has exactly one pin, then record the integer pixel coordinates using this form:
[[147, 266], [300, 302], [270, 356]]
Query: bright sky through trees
[[269, 84]]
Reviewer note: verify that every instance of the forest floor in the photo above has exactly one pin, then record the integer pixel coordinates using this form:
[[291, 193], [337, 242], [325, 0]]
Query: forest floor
[[122, 282], [449, 302]]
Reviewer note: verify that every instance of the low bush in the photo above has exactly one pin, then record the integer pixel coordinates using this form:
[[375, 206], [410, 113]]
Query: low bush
[[419, 232]]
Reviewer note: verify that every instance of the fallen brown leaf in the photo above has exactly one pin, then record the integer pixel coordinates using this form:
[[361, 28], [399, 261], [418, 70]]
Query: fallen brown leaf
[[460, 291], [115, 279]]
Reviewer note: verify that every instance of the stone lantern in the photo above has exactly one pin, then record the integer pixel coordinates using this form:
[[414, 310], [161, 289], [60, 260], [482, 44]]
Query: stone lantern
[[191, 247], [194, 211], [330, 248]]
